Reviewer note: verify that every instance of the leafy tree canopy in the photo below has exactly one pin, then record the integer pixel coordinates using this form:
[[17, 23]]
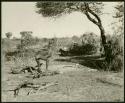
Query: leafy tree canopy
[[8, 35], [57, 9], [26, 34], [91, 9]]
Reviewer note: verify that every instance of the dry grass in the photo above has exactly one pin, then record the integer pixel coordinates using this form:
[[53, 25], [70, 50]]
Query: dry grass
[[78, 85]]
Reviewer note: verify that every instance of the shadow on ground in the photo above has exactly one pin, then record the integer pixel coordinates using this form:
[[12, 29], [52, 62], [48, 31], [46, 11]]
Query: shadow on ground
[[91, 61]]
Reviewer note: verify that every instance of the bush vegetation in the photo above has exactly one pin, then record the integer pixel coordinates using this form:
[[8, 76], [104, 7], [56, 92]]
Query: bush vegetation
[[114, 57], [87, 44]]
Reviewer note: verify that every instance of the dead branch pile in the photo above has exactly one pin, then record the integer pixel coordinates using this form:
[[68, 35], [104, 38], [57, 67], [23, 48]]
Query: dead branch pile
[[25, 69], [34, 72], [36, 87]]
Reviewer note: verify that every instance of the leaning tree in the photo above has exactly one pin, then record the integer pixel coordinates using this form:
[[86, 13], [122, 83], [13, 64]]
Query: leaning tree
[[92, 10]]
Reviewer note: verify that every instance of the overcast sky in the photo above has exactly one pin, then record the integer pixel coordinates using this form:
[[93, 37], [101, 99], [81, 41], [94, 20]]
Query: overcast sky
[[21, 16]]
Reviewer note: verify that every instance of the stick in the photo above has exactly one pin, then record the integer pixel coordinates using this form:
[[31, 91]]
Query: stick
[[43, 87], [108, 82], [30, 92], [68, 66], [22, 85]]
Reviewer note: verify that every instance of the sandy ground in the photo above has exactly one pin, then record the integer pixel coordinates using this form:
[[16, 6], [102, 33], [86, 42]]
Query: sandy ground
[[75, 83]]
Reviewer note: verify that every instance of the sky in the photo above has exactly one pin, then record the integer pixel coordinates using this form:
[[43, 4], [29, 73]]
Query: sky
[[22, 16]]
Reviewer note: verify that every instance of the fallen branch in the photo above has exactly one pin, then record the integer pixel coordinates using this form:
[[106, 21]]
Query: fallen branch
[[68, 66], [30, 92], [25, 69], [22, 85], [48, 85], [108, 82], [37, 87], [46, 73]]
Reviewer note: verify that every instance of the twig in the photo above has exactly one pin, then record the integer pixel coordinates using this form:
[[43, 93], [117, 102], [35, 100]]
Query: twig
[[107, 82], [30, 92], [22, 85], [43, 87], [68, 66]]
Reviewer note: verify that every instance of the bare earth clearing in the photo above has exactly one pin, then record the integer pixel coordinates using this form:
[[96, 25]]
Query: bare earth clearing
[[75, 83]]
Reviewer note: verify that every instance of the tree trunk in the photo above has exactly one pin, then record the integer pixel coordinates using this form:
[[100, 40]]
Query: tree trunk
[[97, 22], [103, 38]]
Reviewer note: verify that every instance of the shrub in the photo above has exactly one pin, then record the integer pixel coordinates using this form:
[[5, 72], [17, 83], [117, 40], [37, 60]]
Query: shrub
[[82, 49], [88, 45], [114, 57], [75, 49], [117, 63]]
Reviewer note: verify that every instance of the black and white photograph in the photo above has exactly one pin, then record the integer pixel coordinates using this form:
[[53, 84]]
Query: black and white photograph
[[62, 51]]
